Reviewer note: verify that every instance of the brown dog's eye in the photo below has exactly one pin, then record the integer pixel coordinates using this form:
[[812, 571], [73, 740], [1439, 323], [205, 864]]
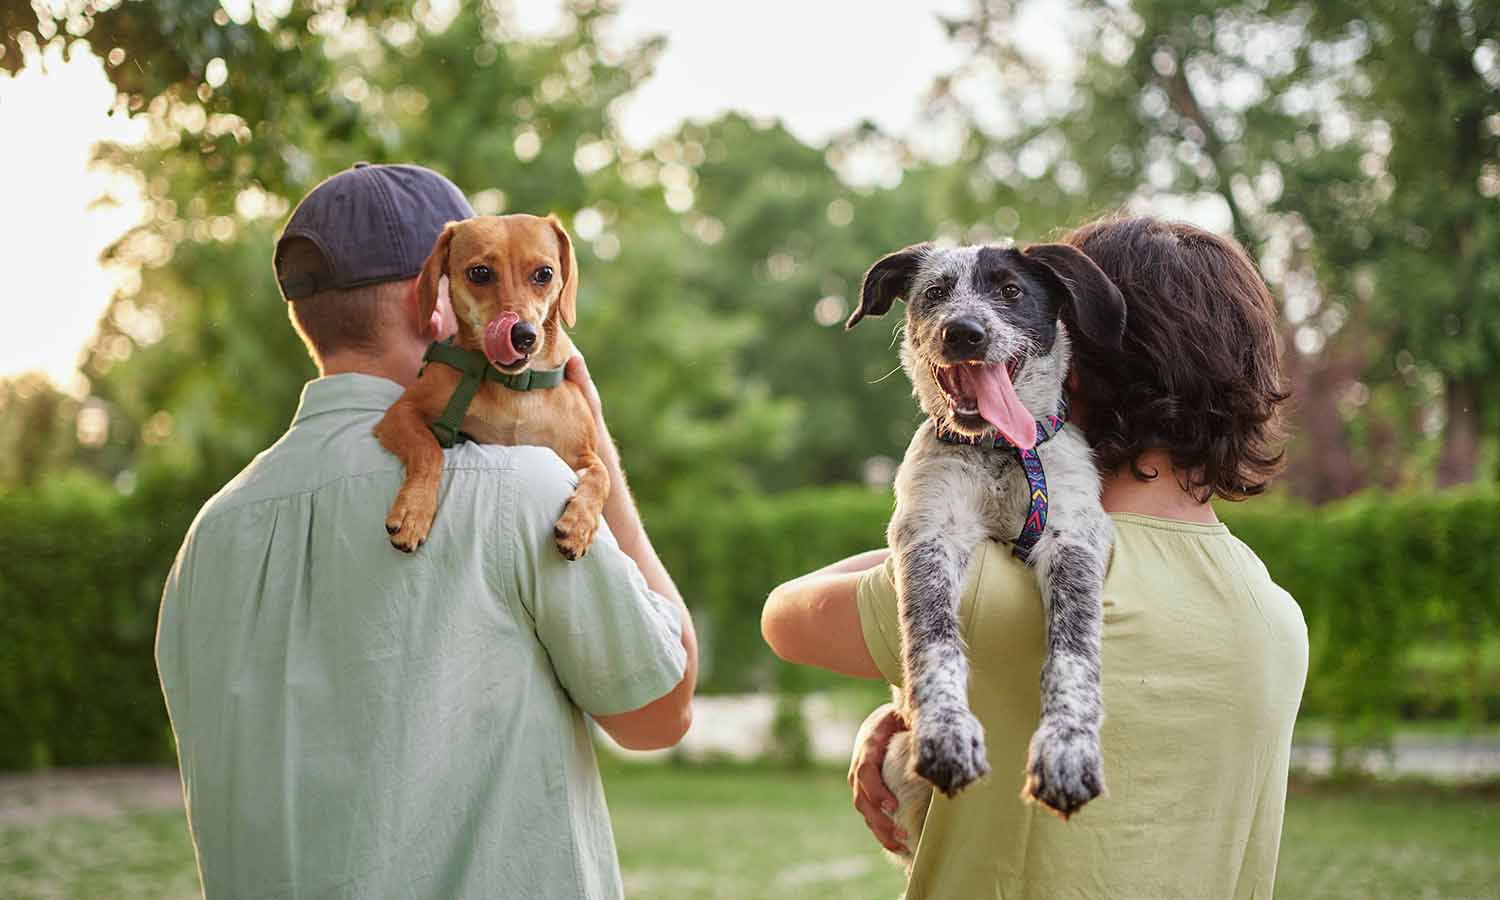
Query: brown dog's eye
[[542, 275], [480, 274], [1010, 292], [936, 292]]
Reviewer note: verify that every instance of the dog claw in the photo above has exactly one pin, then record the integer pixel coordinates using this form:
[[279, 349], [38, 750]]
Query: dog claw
[[1065, 769], [574, 533], [407, 524], [950, 751]]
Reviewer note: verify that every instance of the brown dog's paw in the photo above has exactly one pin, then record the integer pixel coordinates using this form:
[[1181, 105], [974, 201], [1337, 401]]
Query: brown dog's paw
[[410, 520], [575, 531]]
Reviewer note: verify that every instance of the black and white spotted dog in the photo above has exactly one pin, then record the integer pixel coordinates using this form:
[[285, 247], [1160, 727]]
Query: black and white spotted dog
[[987, 348]]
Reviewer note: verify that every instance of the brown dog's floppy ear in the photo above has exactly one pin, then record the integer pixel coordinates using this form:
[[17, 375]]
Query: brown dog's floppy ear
[[567, 302], [1092, 303], [888, 279], [432, 272]]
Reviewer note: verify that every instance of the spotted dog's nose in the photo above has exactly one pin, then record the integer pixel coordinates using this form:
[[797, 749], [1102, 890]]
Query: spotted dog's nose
[[963, 339], [523, 336]]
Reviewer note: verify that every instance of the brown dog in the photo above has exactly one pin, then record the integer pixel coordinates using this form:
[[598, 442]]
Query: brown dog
[[514, 285]]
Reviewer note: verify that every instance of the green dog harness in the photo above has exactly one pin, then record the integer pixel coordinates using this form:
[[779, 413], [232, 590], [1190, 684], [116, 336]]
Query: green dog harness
[[476, 370]]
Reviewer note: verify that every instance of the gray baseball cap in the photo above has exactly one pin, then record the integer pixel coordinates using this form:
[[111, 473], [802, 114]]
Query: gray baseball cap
[[367, 224]]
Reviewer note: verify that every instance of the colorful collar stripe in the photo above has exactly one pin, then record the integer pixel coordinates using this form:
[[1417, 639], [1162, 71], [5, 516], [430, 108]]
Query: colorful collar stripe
[[1031, 464]]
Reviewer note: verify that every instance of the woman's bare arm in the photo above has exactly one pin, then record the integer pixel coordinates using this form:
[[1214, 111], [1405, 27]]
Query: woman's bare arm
[[814, 620]]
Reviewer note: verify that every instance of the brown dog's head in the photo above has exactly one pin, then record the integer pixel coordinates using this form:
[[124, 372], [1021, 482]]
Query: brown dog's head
[[511, 278]]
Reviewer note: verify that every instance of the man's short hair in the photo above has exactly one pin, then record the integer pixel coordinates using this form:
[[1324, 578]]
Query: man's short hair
[[349, 320], [1200, 372]]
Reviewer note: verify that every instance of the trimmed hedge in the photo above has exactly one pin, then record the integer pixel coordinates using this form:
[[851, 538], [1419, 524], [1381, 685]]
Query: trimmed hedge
[[1388, 584], [80, 583], [1379, 577]]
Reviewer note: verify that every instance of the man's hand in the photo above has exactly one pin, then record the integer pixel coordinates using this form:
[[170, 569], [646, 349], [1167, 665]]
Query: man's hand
[[619, 508], [577, 371], [871, 796]]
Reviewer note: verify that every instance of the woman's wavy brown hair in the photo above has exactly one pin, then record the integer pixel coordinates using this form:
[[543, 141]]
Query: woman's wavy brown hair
[[1200, 372]]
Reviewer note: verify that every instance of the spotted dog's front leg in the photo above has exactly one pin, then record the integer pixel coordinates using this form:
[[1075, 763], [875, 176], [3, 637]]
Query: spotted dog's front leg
[[948, 740], [1065, 767]]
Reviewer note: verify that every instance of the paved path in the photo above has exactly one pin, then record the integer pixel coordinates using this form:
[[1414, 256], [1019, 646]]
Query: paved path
[[1458, 759], [734, 727], [739, 727], [96, 793]]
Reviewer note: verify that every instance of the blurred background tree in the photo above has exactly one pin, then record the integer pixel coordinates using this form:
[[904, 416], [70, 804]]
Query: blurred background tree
[[196, 365], [1352, 147]]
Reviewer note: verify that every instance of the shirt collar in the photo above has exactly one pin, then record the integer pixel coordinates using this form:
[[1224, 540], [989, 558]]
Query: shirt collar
[[347, 392]]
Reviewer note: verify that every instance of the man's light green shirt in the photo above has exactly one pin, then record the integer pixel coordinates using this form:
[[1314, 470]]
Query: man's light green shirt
[[356, 722], [1203, 663]]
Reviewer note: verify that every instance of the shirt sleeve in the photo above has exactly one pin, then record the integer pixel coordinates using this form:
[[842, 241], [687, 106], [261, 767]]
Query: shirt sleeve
[[880, 619], [171, 638], [615, 644]]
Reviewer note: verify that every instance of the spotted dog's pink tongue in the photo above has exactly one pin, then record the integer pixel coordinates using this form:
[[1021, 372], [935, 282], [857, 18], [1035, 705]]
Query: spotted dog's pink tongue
[[497, 346], [998, 403]]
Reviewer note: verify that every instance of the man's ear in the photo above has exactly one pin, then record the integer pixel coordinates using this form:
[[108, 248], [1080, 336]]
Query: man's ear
[[567, 302], [1092, 303], [432, 273], [888, 279]]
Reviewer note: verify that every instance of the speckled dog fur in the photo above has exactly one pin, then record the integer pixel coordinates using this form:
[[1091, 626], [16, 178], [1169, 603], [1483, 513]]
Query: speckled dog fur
[[950, 497]]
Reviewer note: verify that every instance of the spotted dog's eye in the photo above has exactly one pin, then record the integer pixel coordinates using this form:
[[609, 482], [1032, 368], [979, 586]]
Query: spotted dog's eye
[[480, 274], [542, 275], [936, 292], [1010, 292]]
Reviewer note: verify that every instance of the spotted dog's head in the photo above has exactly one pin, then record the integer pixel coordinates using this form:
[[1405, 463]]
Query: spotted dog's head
[[986, 343]]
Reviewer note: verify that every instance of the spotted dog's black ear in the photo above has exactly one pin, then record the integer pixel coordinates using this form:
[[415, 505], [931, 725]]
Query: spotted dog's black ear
[[1092, 303], [887, 279]]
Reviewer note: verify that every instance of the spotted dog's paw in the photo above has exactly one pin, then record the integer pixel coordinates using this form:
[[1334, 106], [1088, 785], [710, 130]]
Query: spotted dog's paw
[[410, 519], [950, 749], [1065, 768]]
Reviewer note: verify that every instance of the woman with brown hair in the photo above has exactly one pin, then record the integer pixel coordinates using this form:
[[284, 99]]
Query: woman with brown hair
[[1204, 656]]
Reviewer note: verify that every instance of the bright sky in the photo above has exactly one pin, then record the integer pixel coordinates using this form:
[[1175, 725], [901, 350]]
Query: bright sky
[[819, 66], [53, 233]]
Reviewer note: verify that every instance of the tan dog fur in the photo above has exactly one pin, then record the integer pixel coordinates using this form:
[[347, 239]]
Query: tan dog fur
[[514, 247]]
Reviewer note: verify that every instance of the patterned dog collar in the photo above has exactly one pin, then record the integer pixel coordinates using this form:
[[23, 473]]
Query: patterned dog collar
[[1031, 464]]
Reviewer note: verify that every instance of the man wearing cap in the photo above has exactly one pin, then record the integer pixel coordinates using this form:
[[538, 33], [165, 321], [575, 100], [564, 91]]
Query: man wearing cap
[[355, 722]]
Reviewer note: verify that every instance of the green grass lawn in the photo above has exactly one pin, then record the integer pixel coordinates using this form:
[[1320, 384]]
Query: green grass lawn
[[750, 833]]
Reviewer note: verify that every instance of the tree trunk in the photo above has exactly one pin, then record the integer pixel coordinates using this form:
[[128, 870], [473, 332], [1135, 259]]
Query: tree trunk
[[1321, 463], [1460, 455]]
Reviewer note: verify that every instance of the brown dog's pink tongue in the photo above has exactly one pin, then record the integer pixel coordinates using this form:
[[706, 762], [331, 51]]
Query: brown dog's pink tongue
[[497, 346], [999, 405]]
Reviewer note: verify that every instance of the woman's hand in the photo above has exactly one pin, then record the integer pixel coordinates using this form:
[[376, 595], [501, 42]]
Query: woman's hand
[[871, 796]]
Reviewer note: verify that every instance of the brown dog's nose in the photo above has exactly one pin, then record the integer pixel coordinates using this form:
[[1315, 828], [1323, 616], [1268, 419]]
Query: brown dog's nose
[[523, 336]]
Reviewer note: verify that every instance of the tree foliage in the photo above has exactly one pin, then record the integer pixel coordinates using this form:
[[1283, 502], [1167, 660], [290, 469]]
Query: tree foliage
[[1352, 148], [197, 364]]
